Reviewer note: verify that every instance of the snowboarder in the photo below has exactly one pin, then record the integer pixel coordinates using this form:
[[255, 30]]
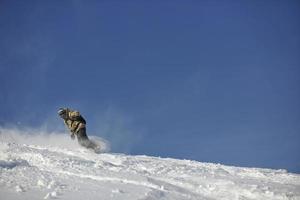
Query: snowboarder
[[77, 126]]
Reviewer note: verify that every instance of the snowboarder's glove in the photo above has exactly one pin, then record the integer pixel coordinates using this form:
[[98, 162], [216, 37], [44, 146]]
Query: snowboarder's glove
[[73, 136]]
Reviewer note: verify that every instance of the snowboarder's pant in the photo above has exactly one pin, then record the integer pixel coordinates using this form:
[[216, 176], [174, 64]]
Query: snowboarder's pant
[[82, 138]]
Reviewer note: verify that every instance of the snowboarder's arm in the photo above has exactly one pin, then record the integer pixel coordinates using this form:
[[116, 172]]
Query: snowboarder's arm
[[74, 114]]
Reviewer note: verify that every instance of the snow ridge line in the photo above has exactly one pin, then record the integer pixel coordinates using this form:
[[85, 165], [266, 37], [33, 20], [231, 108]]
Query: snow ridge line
[[161, 188], [98, 178]]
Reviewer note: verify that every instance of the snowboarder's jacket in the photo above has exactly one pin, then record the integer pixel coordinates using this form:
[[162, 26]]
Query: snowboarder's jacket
[[74, 121]]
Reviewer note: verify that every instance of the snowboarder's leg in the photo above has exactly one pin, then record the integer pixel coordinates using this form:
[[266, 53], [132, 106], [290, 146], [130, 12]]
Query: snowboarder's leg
[[83, 139]]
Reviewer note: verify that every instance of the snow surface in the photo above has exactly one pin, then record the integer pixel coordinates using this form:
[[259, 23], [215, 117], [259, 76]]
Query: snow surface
[[51, 166]]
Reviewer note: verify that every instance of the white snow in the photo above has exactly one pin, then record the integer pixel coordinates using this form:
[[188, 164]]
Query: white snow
[[52, 166]]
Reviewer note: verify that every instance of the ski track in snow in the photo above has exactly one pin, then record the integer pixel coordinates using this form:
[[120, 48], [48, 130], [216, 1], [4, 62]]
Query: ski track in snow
[[39, 172]]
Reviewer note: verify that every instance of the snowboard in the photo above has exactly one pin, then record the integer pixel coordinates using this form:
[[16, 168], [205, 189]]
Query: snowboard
[[91, 145]]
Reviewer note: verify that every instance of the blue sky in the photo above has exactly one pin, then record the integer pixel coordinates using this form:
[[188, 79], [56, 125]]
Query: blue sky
[[213, 81]]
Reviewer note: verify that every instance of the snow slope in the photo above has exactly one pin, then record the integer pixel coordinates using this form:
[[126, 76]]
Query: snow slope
[[55, 167]]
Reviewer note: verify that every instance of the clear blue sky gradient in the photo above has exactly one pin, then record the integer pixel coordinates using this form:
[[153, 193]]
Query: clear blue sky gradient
[[214, 81]]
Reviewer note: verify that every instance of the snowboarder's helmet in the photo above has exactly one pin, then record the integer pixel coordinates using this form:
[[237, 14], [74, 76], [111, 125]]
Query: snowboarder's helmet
[[61, 111]]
